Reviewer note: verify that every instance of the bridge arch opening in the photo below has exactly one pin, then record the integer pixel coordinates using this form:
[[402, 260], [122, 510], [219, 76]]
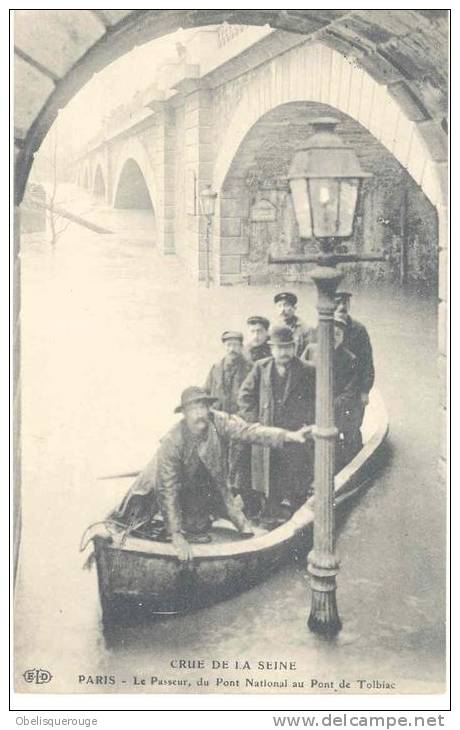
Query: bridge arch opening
[[257, 217], [132, 189], [86, 179], [99, 183]]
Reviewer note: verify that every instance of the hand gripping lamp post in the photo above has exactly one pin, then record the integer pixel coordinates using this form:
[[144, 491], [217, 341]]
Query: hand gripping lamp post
[[325, 179], [208, 205]]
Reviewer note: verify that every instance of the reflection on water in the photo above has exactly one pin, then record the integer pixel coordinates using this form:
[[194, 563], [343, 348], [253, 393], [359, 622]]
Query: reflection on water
[[112, 332]]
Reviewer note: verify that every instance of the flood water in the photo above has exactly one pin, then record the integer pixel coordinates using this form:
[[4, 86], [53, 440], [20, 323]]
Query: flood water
[[111, 334]]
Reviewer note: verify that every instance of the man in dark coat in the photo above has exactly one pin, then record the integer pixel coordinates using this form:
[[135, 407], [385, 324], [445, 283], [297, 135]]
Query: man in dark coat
[[345, 391], [223, 382], [258, 346], [225, 377], [357, 341], [256, 349], [280, 391], [187, 478], [286, 304]]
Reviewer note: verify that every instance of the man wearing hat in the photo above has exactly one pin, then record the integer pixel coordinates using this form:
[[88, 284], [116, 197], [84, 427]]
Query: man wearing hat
[[280, 391], [258, 346], [225, 377], [188, 476], [357, 341], [286, 304], [345, 390], [240, 462], [223, 382]]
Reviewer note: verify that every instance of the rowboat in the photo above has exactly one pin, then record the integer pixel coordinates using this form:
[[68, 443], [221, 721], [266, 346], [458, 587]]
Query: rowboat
[[139, 578]]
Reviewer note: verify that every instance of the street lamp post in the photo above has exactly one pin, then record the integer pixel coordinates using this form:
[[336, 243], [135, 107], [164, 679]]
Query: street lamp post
[[325, 180], [208, 205]]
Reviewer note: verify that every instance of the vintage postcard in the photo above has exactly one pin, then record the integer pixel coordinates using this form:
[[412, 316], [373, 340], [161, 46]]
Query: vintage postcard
[[231, 293]]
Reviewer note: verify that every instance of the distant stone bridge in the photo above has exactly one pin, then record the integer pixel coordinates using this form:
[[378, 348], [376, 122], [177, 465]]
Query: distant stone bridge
[[236, 128]]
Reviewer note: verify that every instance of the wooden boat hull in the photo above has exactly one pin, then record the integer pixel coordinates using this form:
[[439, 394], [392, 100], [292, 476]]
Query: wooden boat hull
[[133, 585], [139, 578]]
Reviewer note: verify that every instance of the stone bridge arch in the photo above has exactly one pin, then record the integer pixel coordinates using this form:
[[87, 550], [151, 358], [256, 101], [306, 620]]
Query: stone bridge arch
[[134, 150], [317, 73], [419, 145]]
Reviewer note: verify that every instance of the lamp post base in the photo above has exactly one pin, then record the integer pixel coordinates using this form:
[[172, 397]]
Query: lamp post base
[[324, 616]]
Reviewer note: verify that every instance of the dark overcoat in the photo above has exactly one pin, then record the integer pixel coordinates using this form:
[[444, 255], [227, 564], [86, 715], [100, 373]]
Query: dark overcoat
[[217, 385], [345, 384], [256, 403], [357, 341]]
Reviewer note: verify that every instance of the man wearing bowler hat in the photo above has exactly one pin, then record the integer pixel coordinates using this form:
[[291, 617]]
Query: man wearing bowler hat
[[258, 346], [280, 391], [286, 304], [240, 462], [188, 476], [225, 377]]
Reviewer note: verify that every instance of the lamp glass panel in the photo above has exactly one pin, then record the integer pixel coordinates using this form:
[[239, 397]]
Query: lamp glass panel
[[207, 201], [301, 203], [324, 201], [347, 206]]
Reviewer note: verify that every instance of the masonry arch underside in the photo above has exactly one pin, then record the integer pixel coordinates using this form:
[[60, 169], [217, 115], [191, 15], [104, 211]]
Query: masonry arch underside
[[257, 217], [134, 195], [132, 190]]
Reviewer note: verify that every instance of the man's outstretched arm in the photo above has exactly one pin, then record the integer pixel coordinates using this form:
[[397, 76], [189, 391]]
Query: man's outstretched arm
[[235, 428]]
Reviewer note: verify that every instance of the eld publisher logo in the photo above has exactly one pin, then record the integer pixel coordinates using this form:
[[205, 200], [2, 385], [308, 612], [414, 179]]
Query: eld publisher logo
[[37, 676]]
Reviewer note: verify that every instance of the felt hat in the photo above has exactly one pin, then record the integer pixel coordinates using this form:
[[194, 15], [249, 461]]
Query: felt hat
[[281, 336], [194, 394]]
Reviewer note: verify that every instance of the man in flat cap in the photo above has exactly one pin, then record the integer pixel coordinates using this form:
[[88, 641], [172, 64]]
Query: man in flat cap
[[258, 346], [187, 477], [223, 383], [225, 377], [280, 391], [286, 304]]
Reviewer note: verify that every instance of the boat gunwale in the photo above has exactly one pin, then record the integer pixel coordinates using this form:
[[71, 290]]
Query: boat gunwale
[[299, 521]]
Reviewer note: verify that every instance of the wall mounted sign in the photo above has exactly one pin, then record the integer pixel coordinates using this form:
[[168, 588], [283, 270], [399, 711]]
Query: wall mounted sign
[[263, 210]]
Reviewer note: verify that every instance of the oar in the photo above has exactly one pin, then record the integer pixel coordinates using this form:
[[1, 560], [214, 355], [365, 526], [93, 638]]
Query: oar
[[121, 476]]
